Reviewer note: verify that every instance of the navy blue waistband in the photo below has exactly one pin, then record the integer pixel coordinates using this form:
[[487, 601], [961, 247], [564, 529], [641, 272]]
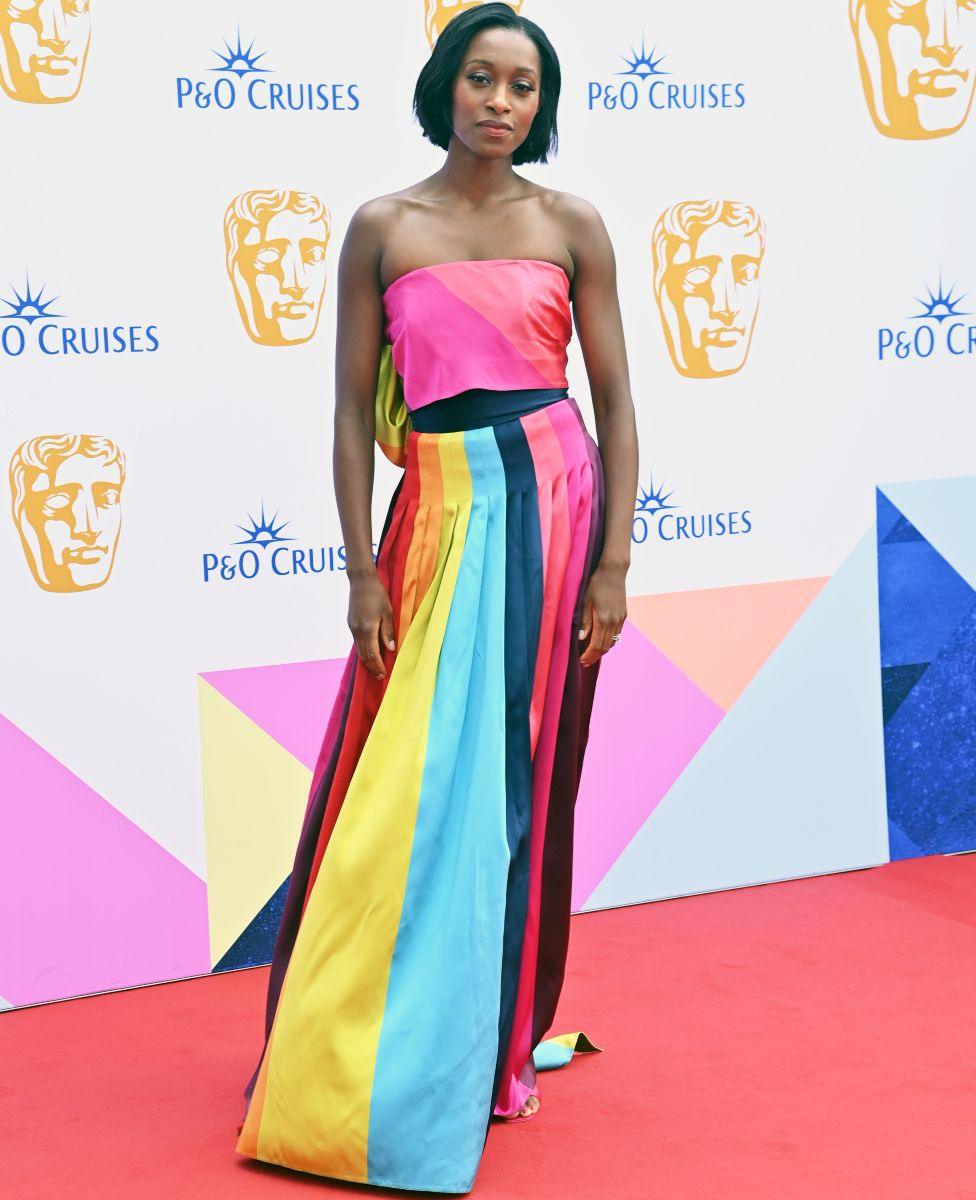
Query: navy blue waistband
[[478, 407]]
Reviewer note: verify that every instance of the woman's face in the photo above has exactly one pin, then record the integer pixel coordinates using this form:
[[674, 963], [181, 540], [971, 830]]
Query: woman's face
[[496, 92]]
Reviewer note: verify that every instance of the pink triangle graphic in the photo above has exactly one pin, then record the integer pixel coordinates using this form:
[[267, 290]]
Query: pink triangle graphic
[[291, 702], [90, 901], [649, 720]]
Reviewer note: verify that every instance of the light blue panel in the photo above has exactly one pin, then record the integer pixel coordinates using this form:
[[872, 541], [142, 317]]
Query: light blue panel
[[792, 781], [441, 1015], [942, 511], [4, 1004]]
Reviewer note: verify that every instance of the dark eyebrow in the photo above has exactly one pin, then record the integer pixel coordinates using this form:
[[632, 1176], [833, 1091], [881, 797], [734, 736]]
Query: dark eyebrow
[[520, 70]]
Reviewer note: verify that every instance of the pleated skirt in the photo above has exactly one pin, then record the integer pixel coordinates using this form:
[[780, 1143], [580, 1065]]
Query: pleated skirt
[[423, 941]]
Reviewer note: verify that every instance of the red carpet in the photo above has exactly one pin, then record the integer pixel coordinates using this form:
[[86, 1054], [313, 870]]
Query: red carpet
[[806, 1039]]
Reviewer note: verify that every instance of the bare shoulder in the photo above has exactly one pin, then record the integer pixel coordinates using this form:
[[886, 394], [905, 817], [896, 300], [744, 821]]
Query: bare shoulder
[[372, 219], [583, 230], [375, 222], [582, 226], [368, 235]]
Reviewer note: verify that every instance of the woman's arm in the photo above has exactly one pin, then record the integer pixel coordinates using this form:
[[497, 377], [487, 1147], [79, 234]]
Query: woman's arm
[[596, 314], [359, 334]]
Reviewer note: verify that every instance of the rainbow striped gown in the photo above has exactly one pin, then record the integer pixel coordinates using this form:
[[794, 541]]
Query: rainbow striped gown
[[423, 942]]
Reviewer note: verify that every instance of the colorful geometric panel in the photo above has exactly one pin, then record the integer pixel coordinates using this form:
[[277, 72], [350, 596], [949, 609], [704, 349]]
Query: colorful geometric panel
[[648, 722], [720, 637], [791, 782], [254, 792], [928, 664], [90, 901], [289, 701], [256, 944], [690, 655]]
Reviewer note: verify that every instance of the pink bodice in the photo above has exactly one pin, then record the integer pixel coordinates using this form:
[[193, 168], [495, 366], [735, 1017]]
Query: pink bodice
[[500, 323]]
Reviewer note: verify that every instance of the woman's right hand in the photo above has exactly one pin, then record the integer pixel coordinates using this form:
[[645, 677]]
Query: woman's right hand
[[370, 619]]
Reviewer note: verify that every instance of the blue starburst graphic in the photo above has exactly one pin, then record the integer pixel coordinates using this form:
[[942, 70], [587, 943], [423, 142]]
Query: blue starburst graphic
[[30, 307], [263, 532], [238, 61], [940, 305], [653, 500], [643, 64]]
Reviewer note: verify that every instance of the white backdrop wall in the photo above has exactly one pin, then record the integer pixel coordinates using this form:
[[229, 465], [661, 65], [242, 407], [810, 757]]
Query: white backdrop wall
[[160, 719]]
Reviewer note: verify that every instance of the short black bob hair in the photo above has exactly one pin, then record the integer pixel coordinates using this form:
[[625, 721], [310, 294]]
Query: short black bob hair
[[433, 96]]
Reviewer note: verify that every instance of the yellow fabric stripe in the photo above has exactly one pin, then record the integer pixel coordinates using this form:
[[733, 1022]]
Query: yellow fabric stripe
[[323, 1048], [578, 1042]]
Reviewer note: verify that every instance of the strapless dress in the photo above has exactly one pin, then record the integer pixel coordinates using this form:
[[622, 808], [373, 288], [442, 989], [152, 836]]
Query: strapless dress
[[423, 942]]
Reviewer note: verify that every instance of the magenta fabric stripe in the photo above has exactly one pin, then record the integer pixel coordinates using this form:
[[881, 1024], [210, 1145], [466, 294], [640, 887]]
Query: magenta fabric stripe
[[559, 449]]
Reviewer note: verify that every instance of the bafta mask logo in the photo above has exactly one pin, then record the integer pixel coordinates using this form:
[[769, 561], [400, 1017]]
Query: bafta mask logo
[[67, 490], [43, 48], [707, 255], [918, 64], [276, 243], [439, 13]]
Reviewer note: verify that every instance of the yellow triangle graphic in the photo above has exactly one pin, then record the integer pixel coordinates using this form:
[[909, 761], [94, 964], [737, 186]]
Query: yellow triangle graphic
[[254, 799]]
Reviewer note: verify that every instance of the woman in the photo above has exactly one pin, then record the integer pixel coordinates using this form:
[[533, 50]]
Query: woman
[[422, 946]]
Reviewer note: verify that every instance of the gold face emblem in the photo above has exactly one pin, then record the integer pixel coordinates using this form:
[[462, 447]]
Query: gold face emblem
[[275, 243], [707, 256], [438, 14], [43, 48], [66, 493], [918, 64]]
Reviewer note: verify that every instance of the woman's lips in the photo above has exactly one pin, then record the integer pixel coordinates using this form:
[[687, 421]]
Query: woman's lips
[[494, 130]]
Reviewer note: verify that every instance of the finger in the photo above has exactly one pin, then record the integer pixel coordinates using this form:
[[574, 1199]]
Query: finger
[[593, 651], [611, 638], [371, 652], [587, 614], [386, 630]]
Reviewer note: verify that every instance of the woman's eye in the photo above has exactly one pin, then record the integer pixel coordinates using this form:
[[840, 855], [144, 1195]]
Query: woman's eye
[[521, 85]]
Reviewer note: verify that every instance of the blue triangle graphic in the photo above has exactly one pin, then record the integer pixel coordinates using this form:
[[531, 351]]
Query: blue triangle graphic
[[927, 616], [254, 945]]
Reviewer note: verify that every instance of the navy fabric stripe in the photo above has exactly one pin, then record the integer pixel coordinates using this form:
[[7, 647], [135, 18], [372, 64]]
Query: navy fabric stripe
[[478, 407], [523, 618]]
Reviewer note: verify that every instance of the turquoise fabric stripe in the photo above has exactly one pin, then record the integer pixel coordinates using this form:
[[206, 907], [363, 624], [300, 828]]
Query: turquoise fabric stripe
[[439, 1019], [547, 1056]]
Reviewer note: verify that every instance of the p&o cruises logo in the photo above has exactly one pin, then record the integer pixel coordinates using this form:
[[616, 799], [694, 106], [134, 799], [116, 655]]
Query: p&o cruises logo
[[265, 549], [647, 83], [936, 330], [658, 519], [244, 78], [30, 323]]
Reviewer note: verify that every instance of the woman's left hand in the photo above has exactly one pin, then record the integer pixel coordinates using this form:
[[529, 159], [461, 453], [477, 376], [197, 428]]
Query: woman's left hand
[[604, 611]]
